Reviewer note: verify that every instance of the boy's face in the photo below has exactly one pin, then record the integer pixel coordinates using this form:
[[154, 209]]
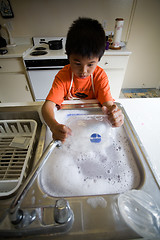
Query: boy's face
[[82, 67]]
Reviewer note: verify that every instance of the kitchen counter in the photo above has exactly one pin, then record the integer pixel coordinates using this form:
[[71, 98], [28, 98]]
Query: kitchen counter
[[22, 49], [121, 52], [16, 51], [144, 114]]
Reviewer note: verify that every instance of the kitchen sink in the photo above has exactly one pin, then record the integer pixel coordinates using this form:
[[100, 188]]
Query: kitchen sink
[[90, 171], [96, 159]]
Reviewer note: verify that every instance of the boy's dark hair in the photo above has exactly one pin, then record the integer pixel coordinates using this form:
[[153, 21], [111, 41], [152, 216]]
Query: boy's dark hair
[[86, 37]]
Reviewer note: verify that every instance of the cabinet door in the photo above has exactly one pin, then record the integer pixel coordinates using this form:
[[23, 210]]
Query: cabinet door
[[115, 67], [115, 62], [14, 88], [115, 77], [14, 65]]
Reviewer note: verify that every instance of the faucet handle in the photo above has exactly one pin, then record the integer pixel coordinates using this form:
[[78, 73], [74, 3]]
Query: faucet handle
[[62, 211], [23, 218]]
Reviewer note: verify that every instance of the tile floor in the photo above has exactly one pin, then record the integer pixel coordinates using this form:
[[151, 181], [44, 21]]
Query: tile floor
[[139, 93]]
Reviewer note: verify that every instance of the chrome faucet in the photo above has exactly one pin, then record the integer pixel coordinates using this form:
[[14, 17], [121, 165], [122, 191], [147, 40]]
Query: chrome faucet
[[62, 211]]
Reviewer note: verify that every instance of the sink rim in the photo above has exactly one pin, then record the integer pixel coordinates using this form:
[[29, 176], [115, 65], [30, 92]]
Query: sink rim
[[131, 131], [38, 199]]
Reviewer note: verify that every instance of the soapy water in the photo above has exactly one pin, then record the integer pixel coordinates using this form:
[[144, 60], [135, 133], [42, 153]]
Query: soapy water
[[97, 201], [84, 167]]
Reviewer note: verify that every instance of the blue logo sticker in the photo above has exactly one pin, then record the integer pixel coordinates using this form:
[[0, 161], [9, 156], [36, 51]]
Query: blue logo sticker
[[95, 138]]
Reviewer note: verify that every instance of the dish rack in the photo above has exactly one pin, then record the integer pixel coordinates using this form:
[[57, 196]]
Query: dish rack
[[16, 143]]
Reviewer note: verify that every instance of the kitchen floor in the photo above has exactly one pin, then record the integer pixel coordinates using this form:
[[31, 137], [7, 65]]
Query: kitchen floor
[[140, 93]]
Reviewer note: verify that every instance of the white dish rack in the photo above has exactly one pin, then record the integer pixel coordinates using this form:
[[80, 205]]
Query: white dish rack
[[16, 142]]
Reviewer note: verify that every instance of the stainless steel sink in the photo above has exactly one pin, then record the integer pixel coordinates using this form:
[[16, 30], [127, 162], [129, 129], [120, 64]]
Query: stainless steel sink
[[96, 216], [96, 159]]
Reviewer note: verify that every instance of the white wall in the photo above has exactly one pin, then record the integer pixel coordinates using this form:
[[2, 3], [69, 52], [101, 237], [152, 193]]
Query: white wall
[[144, 42], [53, 18]]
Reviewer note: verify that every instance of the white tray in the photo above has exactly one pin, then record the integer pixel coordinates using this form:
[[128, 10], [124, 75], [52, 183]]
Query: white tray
[[16, 141]]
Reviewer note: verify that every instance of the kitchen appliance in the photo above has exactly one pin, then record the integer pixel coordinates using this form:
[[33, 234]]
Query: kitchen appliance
[[42, 64], [54, 44], [2, 42]]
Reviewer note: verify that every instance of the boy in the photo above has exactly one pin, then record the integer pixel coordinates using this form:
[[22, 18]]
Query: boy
[[82, 78]]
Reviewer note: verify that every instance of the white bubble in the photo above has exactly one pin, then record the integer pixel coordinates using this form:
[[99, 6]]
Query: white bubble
[[97, 201], [81, 167]]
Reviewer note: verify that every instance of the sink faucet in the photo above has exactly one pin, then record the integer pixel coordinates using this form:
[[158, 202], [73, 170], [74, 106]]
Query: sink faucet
[[21, 219]]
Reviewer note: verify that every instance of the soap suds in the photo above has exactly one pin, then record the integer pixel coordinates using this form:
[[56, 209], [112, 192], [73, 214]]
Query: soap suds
[[97, 201], [81, 167]]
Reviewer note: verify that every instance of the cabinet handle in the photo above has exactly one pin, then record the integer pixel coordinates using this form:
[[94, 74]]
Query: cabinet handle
[[105, 63]]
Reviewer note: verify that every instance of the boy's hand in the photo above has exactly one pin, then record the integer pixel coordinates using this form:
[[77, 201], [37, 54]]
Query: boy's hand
[[60, 132], [115, 115]]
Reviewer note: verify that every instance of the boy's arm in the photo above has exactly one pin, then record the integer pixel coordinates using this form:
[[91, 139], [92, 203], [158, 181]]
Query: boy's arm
[[115, 115], [59, 131]]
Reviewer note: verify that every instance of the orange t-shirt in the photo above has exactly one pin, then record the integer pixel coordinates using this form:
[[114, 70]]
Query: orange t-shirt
[[80, 87]]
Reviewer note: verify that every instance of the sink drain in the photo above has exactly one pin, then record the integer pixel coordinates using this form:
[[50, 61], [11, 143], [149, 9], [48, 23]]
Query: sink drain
[[95, 138]]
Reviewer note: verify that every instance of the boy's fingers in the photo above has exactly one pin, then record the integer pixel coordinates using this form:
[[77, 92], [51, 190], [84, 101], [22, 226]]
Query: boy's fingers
[[62, 128], [109, 109], [115, 114], [118, 124], [112, 108], [66, 129], [104, 109], [117, 119]]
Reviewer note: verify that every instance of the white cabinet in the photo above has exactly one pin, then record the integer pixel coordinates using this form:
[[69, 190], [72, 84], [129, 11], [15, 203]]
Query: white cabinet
[[115, 67], [13, 82]]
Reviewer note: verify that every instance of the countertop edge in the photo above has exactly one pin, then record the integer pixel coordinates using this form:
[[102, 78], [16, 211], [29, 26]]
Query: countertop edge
[[16, 51], [121, 52], [21, 49]]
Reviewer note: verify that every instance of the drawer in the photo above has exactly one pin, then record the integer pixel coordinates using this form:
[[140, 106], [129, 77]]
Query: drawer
[[11, 65], [113, 62]]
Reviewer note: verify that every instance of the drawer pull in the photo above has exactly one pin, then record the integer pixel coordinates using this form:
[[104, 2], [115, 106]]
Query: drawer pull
[[106, 63]]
